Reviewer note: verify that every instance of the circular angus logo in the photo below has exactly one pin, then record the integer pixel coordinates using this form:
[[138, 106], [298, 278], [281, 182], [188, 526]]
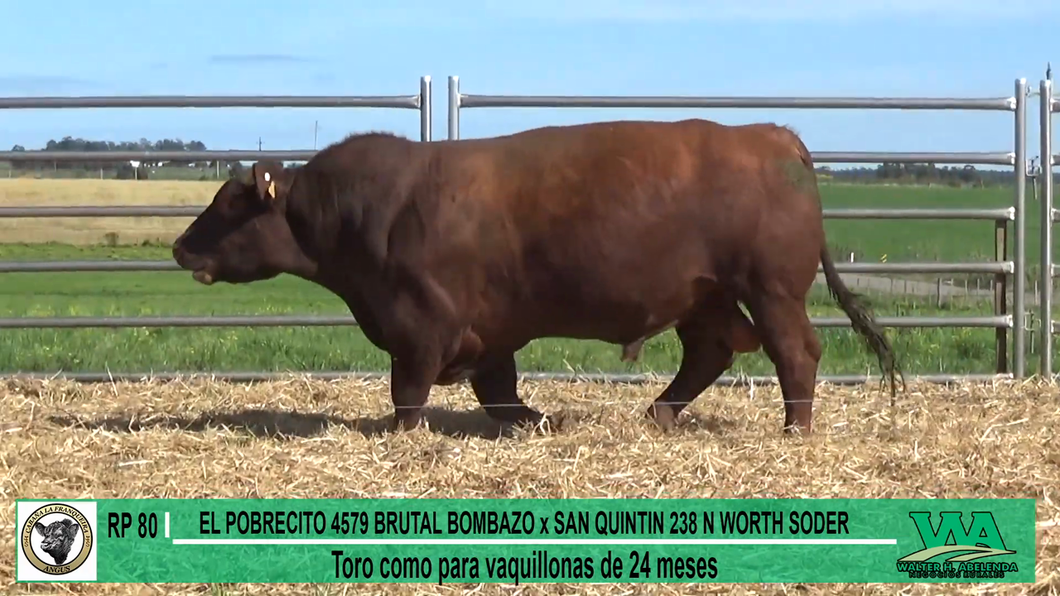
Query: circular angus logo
[[56, 539]]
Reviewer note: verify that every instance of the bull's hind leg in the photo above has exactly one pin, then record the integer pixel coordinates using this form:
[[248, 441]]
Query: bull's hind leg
[[494, 383], [706, 356], [790, 342]]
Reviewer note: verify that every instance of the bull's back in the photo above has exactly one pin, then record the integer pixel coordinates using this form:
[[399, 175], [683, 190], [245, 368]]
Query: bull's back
[[594, 224], [640, 197]]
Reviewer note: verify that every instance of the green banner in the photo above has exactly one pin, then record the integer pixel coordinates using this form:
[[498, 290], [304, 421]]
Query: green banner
[[445, 541]]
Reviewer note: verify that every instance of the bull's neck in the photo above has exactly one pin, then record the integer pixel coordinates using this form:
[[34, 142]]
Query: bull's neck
[[338, 221], [303, 260]]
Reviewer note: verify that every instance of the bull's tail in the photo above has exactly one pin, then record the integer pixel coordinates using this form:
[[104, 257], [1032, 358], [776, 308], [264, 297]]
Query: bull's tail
[[862, 321], [860, 317]]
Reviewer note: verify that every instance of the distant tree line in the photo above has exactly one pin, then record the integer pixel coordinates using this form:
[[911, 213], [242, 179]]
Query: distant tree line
[[922, 173], [125, 170]]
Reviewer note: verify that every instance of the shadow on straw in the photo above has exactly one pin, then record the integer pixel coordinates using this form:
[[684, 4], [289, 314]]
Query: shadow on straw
[[267, 423]]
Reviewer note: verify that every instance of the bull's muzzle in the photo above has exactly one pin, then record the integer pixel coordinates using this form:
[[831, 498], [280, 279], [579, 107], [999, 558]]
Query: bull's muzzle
[[178, 250], [180, 255]]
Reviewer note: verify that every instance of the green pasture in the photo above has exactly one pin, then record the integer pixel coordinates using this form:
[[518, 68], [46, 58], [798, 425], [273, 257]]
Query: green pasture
[[926, 240], [321, 348]]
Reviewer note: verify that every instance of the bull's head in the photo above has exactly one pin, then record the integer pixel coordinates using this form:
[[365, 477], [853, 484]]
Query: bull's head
[[243, 235], [58, 538]]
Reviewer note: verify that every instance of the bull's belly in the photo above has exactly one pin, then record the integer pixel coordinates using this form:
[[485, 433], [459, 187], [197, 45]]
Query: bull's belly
[[623, 325], [451, 375], [630, 326], [648, 310]]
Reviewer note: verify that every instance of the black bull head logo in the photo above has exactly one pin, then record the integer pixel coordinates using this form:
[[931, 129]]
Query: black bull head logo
[[58, 538]]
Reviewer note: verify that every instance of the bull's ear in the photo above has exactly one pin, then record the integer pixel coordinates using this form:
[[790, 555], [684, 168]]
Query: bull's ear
[[269, 179], [72, 528], [39, 527]]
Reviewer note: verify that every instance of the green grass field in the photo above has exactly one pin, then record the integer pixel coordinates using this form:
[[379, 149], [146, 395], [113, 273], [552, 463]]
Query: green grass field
[[280, 349], [926, 240], [163, 293]]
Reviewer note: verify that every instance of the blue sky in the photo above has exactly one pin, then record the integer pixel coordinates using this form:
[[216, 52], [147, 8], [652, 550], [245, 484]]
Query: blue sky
[[642, 47]]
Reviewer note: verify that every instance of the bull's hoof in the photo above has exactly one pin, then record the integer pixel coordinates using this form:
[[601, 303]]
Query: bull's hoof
[[543, 424], [663, 416], [795, 430], [561, 421], [529, 419], [405, 423]]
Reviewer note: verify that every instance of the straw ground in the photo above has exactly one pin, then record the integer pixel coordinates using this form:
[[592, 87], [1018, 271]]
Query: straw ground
[[301, 438]]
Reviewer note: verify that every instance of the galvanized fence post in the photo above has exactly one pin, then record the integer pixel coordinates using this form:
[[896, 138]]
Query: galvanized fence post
[[454, 108], [1020, 258], [426, 119], [1001, 295], [1045, 300]]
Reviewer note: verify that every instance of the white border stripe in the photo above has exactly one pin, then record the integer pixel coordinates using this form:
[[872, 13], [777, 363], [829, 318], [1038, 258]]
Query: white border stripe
[[542, 541], [167, 524]]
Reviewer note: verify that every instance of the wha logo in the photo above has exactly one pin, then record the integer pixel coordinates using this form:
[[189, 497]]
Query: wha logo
[[952, 550]]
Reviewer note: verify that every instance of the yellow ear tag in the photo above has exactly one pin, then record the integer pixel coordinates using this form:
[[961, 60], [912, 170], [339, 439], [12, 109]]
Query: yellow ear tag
[[272, 189]]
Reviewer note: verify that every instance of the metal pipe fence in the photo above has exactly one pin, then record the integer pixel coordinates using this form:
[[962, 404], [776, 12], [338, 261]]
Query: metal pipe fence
[[1003, 266], [1006, 317]]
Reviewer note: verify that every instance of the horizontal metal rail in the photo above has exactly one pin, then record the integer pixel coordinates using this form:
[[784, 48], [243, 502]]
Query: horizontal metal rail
[[168, 265], [116, 156], [213, 101], [982, 157], [940, 157], [1004, 321], [998, 214], [992, 322], [86, 266], [1003, 104], [878, 268], [176, 321], [617, 378], [103, 211]]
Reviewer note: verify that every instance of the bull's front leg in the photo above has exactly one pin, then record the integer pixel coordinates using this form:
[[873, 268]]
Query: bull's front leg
[[411, 378], [422, 326]]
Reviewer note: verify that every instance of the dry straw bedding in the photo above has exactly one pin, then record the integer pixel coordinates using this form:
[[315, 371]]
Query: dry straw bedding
[[301, 438]]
